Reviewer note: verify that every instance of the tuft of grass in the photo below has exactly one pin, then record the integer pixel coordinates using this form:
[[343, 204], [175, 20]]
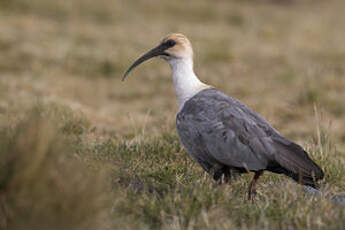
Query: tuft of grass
[[43, 185], [69, 122]]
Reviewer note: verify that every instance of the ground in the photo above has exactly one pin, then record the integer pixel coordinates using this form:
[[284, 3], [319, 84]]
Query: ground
[[60, 68]]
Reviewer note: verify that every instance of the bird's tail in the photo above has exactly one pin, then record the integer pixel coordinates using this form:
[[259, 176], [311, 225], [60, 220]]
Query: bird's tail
[[295, 163]]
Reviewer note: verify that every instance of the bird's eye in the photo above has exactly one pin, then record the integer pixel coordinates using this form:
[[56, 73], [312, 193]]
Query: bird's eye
[[170, 43]]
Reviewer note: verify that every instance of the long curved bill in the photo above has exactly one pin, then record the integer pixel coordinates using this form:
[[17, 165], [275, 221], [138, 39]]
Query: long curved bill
[[159, 50]]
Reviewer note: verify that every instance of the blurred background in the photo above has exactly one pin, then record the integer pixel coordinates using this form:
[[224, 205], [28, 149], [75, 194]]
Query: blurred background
[[64, 59], [279, 57]]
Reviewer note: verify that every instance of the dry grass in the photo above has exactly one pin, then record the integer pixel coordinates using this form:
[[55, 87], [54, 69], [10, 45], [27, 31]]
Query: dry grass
[[43, 185], [65, 59]]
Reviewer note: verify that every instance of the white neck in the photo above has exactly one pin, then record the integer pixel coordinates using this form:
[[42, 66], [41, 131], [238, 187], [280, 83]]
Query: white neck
[[186, 83]]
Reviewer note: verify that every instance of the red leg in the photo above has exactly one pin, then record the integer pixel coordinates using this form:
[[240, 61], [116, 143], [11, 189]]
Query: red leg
[[252, 191]]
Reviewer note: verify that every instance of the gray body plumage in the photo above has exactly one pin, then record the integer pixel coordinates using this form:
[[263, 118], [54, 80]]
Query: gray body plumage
[[221, 133]]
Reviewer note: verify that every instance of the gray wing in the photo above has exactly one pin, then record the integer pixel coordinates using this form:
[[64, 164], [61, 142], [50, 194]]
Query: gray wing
[[216, 128], [219, 130]]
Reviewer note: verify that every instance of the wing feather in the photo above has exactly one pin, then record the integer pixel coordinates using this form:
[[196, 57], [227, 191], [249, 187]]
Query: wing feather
[[218, 129]]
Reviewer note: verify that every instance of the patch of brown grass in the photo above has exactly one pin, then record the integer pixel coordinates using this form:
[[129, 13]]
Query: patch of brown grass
[[42, 183]]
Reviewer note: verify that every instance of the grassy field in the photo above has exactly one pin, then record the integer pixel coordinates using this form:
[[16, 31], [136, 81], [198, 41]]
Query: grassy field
[[79, 149]]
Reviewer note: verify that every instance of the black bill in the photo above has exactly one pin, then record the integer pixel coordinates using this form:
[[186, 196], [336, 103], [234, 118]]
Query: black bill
[[159, 50]]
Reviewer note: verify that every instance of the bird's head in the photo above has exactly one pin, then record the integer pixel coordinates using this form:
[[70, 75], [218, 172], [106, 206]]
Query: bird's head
[[173, 46]]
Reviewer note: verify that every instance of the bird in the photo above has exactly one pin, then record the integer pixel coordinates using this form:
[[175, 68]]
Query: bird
[[221, 133]]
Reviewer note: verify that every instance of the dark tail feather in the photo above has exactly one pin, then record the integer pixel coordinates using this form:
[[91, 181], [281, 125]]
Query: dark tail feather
[[294, 162]]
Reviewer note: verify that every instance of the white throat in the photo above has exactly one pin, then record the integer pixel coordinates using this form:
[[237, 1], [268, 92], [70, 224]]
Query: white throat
[[186, 83]]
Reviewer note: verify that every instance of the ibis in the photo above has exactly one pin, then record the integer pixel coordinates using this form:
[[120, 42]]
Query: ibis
[[222, 134]]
